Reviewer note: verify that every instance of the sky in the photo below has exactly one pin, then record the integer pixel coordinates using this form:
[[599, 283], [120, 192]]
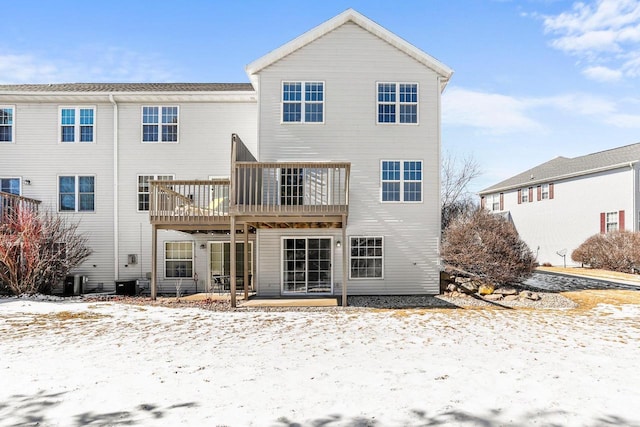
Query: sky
[[533, 79]]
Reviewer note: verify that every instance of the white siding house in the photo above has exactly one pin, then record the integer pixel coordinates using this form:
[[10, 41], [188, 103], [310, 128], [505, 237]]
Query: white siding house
[[557, 205], [326, 164]]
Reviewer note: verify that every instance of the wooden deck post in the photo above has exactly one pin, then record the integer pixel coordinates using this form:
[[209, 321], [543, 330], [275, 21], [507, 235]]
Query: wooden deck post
[[345, 247], [246, 261], [232, 260], [154, 261]]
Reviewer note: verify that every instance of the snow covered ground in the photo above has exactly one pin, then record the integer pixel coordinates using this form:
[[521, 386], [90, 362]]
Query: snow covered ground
[[78, 363]]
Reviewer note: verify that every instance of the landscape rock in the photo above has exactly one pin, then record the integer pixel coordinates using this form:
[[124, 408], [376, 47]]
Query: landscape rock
[[486, 289], [493, 297], [510, 298], [505, 291]]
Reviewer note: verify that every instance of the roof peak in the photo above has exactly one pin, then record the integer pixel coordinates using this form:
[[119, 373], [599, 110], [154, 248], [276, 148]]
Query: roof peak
[[350, 15]]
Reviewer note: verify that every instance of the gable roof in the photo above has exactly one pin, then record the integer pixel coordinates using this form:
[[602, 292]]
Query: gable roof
[[563, 167], [351, 15], [129, 87]]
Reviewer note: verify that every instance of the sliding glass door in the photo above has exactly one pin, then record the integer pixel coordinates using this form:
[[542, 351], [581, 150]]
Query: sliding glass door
[[306, 266]]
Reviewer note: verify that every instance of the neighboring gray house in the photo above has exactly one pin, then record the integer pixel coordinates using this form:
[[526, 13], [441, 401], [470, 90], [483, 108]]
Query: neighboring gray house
[[326, 165], [557, 205]]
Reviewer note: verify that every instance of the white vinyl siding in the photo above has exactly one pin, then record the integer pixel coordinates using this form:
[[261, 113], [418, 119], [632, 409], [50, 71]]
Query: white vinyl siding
[[7, 126]]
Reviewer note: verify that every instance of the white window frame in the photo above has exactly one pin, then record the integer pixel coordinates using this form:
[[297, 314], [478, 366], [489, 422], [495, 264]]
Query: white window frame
[[185, 242], [77, 126], [612, 221], [16, 178], [402, 181], [12, 124], [524, 195], [495, 201], [77, 193], [303, 102], [152, 177], [366, 257], [282, 260], [544, 192], [159, 124], [397, 103]]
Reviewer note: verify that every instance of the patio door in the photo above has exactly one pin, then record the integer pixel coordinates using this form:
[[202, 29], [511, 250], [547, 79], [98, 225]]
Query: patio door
[[306, 266], [220, 262]]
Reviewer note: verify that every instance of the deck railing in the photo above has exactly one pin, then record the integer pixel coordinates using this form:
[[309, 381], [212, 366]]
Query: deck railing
[[11, 203], [189, 201], [290, 188]]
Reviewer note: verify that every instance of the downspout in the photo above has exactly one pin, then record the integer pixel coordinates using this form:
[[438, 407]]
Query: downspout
[[116, 223], [634, 200], [439, 178]]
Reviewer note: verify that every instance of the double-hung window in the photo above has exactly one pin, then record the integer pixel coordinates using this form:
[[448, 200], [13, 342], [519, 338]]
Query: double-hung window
[[612, 221], [6, 123], [10, 185], [366, 258], [76, 193], [303, 102], [159, 124], [77, 124], [144, 189], [178, 260], [544, 191], [401, 180], [398, 103]]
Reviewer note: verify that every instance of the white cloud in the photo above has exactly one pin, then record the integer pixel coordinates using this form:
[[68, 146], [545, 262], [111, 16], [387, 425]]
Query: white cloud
[[489, 112], [602, 74], [498, 114], [90, 64], [602, 32]]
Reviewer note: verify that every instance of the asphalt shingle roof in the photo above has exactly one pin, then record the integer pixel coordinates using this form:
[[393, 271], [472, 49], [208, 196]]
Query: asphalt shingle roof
[[129, 87], [563, 166]]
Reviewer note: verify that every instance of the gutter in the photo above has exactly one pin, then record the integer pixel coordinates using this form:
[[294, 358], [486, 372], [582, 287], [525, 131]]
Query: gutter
[[116, 224], [557, 177]]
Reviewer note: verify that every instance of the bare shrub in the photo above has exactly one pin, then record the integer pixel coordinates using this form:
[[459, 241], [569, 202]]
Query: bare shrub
[[38, 250], [455, 197], [616, 251], [487, 246]]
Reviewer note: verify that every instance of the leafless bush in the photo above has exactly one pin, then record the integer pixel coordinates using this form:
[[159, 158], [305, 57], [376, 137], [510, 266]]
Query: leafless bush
[[455, 197], [616, 251], [487, 246], [38, 250]]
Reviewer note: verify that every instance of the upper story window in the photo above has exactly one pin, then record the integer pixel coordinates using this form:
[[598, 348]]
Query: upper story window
[[76, 124], [401, 180], [6, 123], [143, 189], [397, 103], [10, 185], [524, 195], [544, 191], [612, 221], [303, 102], [76, 193], [495, 202], [159, 124]]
